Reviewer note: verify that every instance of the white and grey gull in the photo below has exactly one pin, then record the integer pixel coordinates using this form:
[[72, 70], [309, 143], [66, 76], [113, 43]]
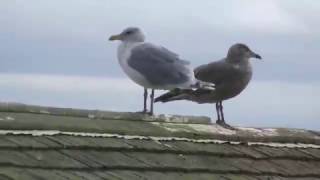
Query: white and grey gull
[[230, 75], [152, 66]]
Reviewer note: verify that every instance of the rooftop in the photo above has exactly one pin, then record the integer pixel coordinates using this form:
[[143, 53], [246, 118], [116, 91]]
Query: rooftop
[[63, 143]]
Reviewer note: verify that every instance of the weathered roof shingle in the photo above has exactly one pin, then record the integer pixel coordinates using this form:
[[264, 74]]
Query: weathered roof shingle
[[55, 143]]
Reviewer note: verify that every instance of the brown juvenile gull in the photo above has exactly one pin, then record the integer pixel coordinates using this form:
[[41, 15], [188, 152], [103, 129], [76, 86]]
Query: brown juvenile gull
[[230, 75], [151, 66]]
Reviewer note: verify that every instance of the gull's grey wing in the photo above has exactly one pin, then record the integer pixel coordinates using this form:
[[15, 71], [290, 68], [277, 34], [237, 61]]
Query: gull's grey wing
[[215, 72], [159, 65]]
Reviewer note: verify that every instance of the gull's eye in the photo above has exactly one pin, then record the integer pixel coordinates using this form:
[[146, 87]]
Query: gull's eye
[[245, 49], [128, 32]]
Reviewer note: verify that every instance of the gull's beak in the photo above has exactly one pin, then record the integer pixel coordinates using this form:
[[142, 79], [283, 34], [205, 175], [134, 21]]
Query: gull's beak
[[115, 37], [254, 55]]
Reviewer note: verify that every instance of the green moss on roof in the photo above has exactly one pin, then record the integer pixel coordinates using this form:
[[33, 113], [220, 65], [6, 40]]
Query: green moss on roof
[[55, 143], [26, 117]]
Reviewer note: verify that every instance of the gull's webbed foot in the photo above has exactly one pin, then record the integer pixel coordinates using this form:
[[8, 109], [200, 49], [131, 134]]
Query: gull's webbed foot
[[225, 125], [150, 113], [143, 112]]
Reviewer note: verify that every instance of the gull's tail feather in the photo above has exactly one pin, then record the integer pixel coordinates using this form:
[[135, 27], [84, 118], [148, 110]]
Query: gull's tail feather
[[172, 95], [183, 94]]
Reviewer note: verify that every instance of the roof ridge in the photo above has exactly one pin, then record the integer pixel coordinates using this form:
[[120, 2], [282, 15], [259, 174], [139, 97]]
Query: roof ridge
[[101, 114], [17, 116]]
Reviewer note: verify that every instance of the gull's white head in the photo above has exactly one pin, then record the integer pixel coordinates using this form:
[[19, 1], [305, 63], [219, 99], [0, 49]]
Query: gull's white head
[[130, 34]]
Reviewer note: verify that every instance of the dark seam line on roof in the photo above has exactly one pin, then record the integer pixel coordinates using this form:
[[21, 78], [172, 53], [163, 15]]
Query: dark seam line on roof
[[246, 151], [278, 166], [136, 159], [302, 157], [52, 139], [35, 176], [163, 169], [159, 151], [47, 139], [11, 141], [114, 175], [57, 173], [7, 140], [87, 158], [225, 178], [60, 174], [3, 176], [248, 164], [82, 177], [73, 158], [309, 153], [268, 154], [30, 156], [131, 144], [16, 143]]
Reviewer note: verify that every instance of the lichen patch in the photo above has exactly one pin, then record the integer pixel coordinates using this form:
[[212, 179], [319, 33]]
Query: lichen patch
[[162, 140]]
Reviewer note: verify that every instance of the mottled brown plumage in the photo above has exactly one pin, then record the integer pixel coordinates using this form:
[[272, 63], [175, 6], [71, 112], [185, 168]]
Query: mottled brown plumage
[[230, 75]]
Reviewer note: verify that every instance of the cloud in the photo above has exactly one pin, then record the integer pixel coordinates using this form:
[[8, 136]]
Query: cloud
[[263, 103], [69, 91], [52, 37], [267, 16], [66, 84], [88, 19], [260, 16]]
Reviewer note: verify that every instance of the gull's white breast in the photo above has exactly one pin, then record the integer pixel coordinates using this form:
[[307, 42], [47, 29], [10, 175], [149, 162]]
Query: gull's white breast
[[124, 53]]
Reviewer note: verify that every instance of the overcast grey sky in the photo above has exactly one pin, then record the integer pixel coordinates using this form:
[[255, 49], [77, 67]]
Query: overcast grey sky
[[57, 53]]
